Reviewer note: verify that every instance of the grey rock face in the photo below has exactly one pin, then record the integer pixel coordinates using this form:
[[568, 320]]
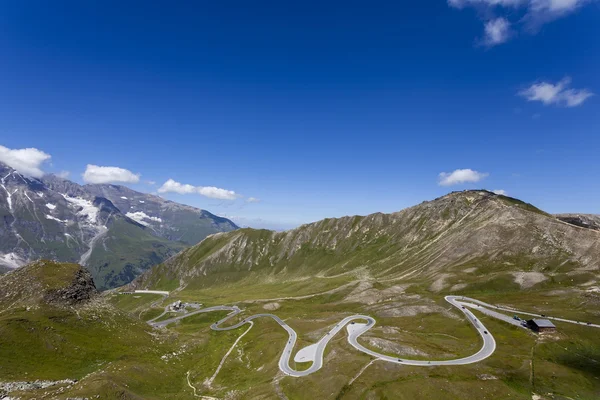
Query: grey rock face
[[114, 231], [589, 221], [81, 290], [165, 218]]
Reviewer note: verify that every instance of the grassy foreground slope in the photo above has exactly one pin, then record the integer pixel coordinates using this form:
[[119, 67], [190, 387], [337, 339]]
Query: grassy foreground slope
[[54, 325]]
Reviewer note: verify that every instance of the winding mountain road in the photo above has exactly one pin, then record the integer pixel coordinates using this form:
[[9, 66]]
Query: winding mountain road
[[314, 353]]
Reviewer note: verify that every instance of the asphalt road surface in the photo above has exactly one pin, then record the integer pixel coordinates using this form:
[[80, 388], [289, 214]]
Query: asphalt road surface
[[358, 324]]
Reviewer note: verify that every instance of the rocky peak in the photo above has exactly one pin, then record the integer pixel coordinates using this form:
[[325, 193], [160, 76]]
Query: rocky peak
[[47, 283]]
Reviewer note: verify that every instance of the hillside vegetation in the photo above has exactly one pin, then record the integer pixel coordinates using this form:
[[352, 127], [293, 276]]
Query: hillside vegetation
[[510, 243], [396, 268], [54, 325]]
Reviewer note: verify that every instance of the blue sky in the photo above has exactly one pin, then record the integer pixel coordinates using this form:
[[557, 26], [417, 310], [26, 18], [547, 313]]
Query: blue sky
[[300, 112]]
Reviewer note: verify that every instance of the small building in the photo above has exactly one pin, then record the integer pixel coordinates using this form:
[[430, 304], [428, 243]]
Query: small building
[[541, 325], [177, 306]]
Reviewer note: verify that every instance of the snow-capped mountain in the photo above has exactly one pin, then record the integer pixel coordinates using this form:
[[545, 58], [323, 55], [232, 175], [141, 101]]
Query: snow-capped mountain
[[114, 231]]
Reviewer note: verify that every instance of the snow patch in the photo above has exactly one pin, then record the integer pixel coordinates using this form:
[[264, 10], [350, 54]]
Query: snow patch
[[11, 260], [8, 196], [40, 194], [124, 198], [87, 209], [26, 195], [50, 206], [141, 201], [55, 219], [140, 216]]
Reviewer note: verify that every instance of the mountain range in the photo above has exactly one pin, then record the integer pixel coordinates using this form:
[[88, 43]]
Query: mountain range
[[507, 241], [114, 231], [395, 268]]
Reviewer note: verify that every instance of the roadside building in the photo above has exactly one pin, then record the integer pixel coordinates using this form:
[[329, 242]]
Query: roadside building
[[541, 325], [177, 306]]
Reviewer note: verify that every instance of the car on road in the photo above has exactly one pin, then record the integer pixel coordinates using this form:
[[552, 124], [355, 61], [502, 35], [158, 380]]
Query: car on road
[[399, 360], [485, 332]]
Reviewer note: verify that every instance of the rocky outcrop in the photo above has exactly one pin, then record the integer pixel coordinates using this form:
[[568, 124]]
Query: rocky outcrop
[[47, 283], [81, 290], [589, 221], [8, 387]]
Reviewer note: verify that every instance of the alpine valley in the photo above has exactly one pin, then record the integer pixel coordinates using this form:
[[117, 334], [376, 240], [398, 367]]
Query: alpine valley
[[427, 302]]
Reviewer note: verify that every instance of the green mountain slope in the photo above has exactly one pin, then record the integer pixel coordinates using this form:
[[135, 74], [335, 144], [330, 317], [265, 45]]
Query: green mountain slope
[[124, 251], [431, 243]]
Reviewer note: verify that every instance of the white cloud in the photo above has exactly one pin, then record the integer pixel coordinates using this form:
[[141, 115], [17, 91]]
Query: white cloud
[[500, 191], [26, 161], [171, 186], [217, 193], [496, 31], [558, 93], [576, 97], [460, 176], [64, 174], [548, 10], [98, 174], [252, 200], [140, 216], [176, 187], [491, 3], [530, 14], [151, 183]]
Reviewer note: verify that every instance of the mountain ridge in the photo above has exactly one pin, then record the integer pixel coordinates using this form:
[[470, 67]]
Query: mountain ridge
[[428, 240], [54, 218]]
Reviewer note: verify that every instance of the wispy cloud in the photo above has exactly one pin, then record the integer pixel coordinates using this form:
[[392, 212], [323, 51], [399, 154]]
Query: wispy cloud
[[501, 191], [27, 161], [460, 176], [496, 31], [261, 223], [171, 186], [99, 174], [556, 93], [252, 200], [64, 174], [530, 15]]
